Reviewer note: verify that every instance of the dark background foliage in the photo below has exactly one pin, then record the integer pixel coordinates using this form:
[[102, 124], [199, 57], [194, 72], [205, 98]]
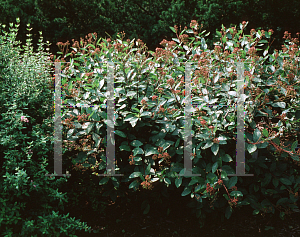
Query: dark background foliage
[[63, 20]]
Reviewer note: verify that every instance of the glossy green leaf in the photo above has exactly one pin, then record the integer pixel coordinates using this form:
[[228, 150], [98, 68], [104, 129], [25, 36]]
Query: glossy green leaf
[[104, 180], [214, 167], [120, 133], [251, 148], [215, 148], [256, 135], [294, 145], [125, 148], [173, 29], [223, 174], [198, 187], [232, 182], [227, 158], [151, 151], [135, 185], [177, 143], [178, 181], [135, 175], [147, 171], [136, 143], [265, 132], [167, 181], [236, 193], [208, 144], [186, 191], [137, 151], [198, 197]]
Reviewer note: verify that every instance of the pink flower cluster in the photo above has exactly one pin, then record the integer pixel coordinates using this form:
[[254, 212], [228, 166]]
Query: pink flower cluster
[[24, 119]]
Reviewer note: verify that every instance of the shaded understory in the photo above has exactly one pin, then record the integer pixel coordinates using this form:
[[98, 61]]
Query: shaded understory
[[127, 219]]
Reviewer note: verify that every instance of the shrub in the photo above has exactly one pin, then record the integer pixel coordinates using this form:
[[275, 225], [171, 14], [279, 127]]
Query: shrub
[[149, 118], [30, 202]]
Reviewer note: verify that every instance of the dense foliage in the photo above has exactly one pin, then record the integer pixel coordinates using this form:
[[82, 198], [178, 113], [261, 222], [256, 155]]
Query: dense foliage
[[149, 119], [31, 203], [63, 20], [149, 122]]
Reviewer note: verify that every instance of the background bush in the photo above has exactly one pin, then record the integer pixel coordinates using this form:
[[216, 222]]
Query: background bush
[[31, 203]]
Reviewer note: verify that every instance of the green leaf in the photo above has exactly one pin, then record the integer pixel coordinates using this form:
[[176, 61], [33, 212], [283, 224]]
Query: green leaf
[[177, 143], [224, 174], [151, 151], [215, 148], [120, 133], [136, 143], [282, 200], [294, 145], [186, 191], [96, 138], [146, 210], [208, 144], [147, 171], [198, 197], [167, 181], [131, 93], [70, 132], [189, 31], [227, 158], [228, 212], [266, 180], [173, 29], [197, 188], [146, 113], [135, 175], [265, 132], [256, 135], [137, 151], [133, 121], [251, 148], [214, 167], [125, 148], [104, 180], [285, 181], [135, 184], [279, 104], [236, 193], [275, 182], [89, 128], [178, 181], [92, 160], [232, 182]]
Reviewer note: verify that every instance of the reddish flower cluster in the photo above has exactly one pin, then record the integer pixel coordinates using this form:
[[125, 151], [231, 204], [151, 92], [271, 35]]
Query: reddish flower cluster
[[132, 161], [164, 155], [233, 201], [82, 117], [144, 103], [184, 38], [68, 122], [209, 189], [146, 184], [194, 24], [161, 109], [154, 97], [171, 82], [203, 122]]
